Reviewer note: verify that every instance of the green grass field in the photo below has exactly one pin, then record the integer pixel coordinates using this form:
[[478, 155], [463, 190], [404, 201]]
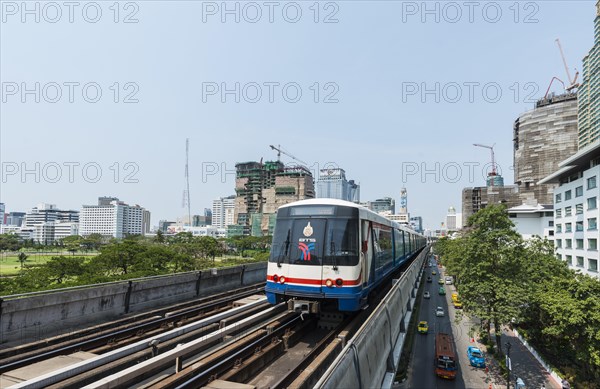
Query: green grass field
[[10, 265]]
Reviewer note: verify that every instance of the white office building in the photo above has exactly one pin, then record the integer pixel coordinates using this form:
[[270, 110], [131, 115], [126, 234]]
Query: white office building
[[223, 212], [115, 218], [576, 209], [533, 220]]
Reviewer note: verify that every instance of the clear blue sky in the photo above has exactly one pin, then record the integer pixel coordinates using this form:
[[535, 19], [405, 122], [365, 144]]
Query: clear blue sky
[[374, 61]]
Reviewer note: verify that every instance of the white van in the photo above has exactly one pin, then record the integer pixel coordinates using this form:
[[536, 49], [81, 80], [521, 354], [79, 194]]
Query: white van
[[448, 280]]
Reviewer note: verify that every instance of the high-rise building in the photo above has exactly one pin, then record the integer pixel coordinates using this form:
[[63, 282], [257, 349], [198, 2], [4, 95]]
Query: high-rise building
[[576, 200], [386, 205], [416, 222], [2, 213], [589, 99], [115, 218], [476, 198], [452, 224], [332, 184], [48, 213], [261, 188], [223, 212], [542, 138], [15, 219]]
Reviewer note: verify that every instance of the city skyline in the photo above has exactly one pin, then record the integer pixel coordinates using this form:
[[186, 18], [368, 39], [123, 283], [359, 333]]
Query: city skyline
[[385, 129]]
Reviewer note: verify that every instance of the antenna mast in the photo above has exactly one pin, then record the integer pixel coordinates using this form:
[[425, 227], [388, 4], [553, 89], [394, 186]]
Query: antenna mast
[[186, 192]]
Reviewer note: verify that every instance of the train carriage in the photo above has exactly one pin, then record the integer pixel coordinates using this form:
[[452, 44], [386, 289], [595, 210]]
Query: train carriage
[[327, 250]]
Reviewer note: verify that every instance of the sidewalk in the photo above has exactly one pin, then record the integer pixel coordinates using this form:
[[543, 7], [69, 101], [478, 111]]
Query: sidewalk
[[524, 366]]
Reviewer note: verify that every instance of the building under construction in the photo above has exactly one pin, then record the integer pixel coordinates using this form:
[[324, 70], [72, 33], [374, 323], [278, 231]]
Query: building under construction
[[261, 188]]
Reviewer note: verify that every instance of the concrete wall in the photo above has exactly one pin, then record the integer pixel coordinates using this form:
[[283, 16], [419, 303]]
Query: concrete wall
[[371, 357], [35, 316]]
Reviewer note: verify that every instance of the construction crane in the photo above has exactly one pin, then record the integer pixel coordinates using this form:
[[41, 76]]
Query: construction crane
[[572, 81], [280, 151], [493, 173]]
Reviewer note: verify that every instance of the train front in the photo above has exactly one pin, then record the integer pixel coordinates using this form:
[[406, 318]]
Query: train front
[[315, 256]]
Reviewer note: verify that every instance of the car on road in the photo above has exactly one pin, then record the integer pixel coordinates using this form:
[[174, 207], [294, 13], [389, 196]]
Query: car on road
[[457, 304], [441, 282], [442, 291], [429, 279], [439, 311], [475, 356], [426, 295], [433, 272], [423, 327], [448, 280], [454, 296]]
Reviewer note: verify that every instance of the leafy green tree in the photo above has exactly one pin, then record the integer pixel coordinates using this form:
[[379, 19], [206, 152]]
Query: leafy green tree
[[59, 269], [493, 277], [72, 243], [9, 242], [22, 258], [160, 237], [117, 257]]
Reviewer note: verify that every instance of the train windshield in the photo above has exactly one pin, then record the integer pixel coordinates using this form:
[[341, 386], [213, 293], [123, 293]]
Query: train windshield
[[314, 241]]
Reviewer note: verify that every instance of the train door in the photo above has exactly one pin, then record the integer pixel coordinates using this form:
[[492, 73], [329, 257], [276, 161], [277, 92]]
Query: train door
[[366, 254]]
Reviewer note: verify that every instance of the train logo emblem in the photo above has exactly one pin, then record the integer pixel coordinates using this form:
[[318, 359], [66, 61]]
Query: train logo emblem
[[308, 230], [305, 250]]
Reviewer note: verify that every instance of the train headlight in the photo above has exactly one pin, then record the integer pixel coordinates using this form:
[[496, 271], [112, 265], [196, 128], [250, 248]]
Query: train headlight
[[275, 278], [329, 283], [339, 282], [282, 279]]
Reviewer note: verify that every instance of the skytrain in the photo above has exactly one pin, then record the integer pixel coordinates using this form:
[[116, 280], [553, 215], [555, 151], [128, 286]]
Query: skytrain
[[333, 251]]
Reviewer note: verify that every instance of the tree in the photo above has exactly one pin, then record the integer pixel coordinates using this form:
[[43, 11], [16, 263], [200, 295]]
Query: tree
[[72, 243], [492, 270], [59, 269], [9, 242], [22, 258]]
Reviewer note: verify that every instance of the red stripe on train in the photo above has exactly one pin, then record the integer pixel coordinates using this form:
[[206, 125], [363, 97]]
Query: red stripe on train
[[308, 281]]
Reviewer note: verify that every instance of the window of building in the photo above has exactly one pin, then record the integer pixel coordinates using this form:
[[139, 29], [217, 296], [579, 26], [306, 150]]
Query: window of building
[[568, 211], [551, 223], [593, 244], [579, 244], [579, 226], [558, 213], [558, 256], [568, 227], [591, 182], [578, 209], [568, 243], [558, 244], [592, 264], [592, 224], [579, 191], [550, 233], [559, 228], [579, 261], [568, 195], [557, 198], [569, 259], [591, 203]]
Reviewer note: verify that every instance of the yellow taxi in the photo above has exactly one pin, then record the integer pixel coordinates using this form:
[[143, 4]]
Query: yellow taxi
[[457, 304], [433, 272], [441, 281], [423, 327], [454, 296]]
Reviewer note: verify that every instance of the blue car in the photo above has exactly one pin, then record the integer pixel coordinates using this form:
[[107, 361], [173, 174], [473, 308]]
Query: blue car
[[475, 356]]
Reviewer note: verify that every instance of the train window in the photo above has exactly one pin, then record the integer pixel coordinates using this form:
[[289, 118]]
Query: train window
[[298, 241], [382, 238], [399, 243], [341, 243]]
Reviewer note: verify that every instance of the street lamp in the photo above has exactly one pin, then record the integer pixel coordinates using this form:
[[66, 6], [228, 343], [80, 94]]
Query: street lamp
[[508, 365]]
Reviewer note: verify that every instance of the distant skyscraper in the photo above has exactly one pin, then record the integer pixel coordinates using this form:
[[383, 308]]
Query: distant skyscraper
[[416, 222], [403, 201], [15, 219], [332, 184], [453, 220], [589, 99], [115, 218], [223, 211], [384, 205], [2, 213]]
